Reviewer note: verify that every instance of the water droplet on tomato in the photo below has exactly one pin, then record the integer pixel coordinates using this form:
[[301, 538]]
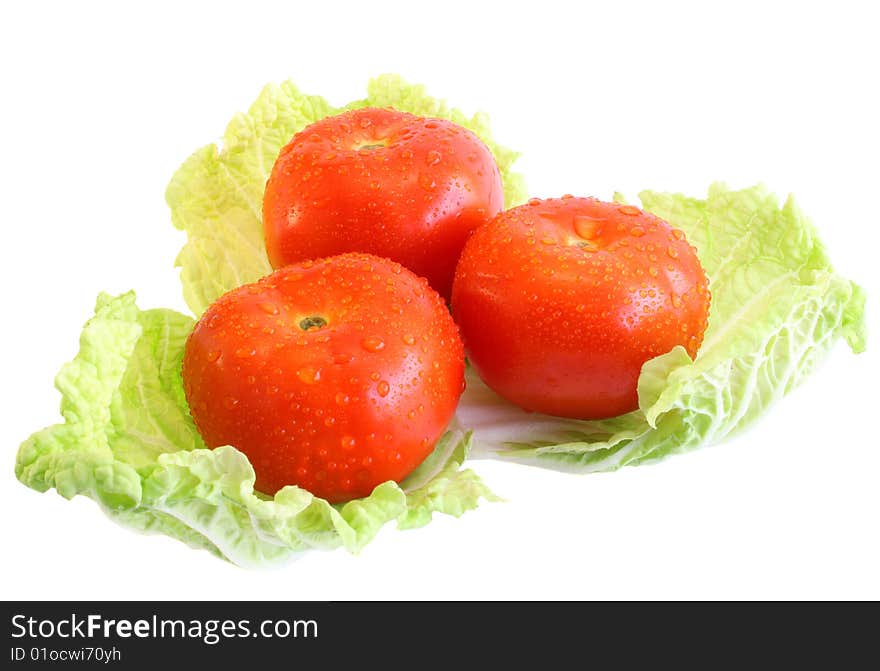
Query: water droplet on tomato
[[213, 355], [678, 234], [637, 231], [309, 375], [548, 240], [409, 339], [581, 307], [374, 344], [383, 388], [244, 352], [348, 442], [433, 157], [586, 227], [230, 402], [341, 398], [534, 202], [629, 210], [427, 182], [676, 302], [672, 252], [653, 271]]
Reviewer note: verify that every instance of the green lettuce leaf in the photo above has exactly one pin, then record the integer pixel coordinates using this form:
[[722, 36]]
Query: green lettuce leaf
[[216, 195], [777, 309], [129, 443]]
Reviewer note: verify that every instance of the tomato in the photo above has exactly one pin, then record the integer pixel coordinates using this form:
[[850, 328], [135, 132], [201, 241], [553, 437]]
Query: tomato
[[385, 182], [561, 301], [335, 375]]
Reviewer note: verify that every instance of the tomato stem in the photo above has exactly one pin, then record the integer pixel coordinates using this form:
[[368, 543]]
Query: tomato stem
[[308, 323]]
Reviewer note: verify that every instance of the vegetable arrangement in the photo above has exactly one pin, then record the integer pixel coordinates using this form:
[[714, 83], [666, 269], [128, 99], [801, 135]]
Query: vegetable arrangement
[[306, 407]]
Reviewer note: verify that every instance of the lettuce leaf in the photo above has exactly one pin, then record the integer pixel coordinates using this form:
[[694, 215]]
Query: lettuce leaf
[[777, 309], [129, 443], [216, 195]]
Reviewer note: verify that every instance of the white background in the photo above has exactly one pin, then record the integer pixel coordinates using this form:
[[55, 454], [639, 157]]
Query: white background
[[100, 103]]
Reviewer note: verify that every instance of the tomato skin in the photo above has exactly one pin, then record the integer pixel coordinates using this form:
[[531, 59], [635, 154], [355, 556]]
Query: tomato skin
[[384, 182], [561, 301], [336, 409]]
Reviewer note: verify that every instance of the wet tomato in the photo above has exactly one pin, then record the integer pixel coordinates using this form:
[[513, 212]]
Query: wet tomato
[[385, 182], [335, 375], [561, 301]]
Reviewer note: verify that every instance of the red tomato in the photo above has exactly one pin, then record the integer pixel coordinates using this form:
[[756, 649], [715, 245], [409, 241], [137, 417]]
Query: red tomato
[[561, 301], [384, 182], [335, 375]]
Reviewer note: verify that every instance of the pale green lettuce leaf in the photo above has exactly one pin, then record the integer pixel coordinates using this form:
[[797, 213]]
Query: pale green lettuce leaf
[[216, 195], [777, 309], [438, 484], [129, 443]]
